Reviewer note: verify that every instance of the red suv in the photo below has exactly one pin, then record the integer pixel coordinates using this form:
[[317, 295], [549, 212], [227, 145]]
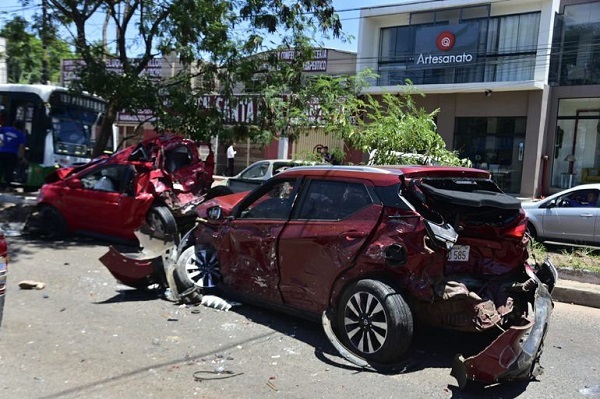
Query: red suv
[[373, 250]]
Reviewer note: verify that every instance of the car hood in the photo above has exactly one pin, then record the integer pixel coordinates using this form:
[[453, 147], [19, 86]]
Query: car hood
[[226, 202], [531, 204]]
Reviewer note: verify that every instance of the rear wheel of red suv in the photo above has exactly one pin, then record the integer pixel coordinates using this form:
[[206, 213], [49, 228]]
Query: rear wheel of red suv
[[374, 321]]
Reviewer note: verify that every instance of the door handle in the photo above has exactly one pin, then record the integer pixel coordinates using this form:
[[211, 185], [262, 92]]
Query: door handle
[[353, 235], [586, 215]]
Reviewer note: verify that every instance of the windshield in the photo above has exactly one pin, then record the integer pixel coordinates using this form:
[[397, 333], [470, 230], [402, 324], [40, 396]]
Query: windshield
[[73, 130]]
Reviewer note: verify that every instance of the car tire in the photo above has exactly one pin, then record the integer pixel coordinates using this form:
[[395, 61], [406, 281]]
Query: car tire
[[374, 322], [162, 222], [198, 266], [52, 224], [531, 232]]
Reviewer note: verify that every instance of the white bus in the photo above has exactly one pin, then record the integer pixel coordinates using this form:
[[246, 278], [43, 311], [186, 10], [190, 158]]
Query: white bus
[[61, 127]]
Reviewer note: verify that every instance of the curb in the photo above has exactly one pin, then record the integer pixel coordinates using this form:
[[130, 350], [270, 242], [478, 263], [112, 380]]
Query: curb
[[577, 293]]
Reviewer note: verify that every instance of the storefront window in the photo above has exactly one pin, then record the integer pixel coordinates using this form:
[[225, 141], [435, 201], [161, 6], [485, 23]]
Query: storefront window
[[494, 144], [577, 141], [575, 50], [479, 48]]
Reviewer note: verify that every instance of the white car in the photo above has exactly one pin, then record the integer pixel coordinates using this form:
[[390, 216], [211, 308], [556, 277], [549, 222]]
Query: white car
[[572, 215], [259, 172]]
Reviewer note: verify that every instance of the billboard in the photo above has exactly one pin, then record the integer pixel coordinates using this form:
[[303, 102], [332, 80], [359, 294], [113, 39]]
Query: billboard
[[446, 45]]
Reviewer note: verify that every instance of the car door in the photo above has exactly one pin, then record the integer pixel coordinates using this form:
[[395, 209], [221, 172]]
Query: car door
[[330, 224], [103, 203], [572, 217], [247, 243]]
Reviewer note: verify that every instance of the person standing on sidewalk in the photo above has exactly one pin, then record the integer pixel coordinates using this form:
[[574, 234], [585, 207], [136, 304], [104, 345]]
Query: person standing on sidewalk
[[230, 159], [12, 151]]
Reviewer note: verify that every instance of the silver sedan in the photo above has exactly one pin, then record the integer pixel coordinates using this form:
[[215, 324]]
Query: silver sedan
[[572, 215]]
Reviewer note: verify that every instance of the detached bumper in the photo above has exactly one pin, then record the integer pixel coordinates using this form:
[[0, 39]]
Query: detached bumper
[[514, 355], [142, 268]]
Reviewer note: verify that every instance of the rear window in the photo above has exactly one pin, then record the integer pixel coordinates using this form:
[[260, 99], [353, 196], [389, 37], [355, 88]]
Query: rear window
[[475, 193], [390, 196]]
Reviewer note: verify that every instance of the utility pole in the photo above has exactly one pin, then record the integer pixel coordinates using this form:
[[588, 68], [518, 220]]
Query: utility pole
[[45, 78]]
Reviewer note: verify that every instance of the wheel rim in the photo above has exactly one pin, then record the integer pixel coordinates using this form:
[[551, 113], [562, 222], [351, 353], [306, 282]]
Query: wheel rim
[[203, 268], [365, 322]]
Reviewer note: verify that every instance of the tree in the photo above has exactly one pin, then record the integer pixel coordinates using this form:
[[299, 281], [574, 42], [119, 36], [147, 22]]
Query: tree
[[219, 38], [24, 52], [396, 131], [393, 130]]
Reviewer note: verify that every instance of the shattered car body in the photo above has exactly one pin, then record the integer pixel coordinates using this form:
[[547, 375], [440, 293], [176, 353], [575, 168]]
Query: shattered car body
[[158, 181], [372, 251]]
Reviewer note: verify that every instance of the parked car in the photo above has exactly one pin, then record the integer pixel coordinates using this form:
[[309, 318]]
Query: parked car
[[158, 181], [568, 216], [371, 251], [3, 271], [259, 172]]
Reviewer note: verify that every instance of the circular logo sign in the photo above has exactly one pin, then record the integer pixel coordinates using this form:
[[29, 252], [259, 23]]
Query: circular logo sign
[[445, 40]]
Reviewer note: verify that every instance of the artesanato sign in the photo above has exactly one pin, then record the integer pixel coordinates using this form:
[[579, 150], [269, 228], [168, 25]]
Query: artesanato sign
[[446, 45]]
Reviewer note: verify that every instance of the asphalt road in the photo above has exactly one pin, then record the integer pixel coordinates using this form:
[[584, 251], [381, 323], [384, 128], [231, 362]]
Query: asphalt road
[[86, 336]]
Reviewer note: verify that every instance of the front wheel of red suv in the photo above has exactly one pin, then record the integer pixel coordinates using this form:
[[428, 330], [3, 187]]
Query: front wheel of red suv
[[198, 266], [374, 321]]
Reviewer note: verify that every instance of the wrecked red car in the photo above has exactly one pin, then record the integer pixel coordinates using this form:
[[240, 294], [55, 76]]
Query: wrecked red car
[[158, 181], [372, 251]]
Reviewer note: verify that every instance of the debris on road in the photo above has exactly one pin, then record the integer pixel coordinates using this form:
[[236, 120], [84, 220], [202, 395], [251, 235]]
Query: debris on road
[[30, 285]]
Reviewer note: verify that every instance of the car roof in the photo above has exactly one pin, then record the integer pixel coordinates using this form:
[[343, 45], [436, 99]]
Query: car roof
[[549, 198], [386, 174]]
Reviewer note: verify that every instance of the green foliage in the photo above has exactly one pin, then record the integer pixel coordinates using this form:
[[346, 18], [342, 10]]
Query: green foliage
[[391, 128], [24, 52], [396, 131], [209, 38]]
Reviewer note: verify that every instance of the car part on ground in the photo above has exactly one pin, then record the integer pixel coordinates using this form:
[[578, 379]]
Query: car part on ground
[[160, 180], [372, 251]]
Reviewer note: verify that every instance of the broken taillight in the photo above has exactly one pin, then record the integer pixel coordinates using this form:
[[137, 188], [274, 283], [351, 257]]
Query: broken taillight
[[517, 231]]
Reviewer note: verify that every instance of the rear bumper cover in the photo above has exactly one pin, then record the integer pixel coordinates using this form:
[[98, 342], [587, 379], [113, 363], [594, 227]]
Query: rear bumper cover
[[515, 353]]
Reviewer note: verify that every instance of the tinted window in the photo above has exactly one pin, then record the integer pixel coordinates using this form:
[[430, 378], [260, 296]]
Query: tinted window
[[333, 200], [579, 198], [274, 203]]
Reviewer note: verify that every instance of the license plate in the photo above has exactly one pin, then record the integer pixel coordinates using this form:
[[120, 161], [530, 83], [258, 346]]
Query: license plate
[[459, 253]]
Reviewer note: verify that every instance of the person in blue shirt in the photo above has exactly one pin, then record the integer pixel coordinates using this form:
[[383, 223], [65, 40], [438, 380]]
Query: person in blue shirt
[[12, 151]]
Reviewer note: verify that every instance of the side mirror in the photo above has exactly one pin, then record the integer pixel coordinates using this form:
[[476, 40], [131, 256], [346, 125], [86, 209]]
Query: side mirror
[[74, 183], [214, 213]]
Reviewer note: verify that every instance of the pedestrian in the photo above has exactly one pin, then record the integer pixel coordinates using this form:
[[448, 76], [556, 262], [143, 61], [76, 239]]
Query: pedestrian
[[325, 155], [12, 151], [230, 159]]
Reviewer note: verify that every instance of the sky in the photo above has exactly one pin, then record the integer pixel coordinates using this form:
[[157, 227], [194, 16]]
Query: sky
[[348, 11]]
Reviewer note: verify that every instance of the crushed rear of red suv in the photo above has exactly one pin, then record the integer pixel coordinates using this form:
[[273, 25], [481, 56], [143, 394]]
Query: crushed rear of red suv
[[371, 251]]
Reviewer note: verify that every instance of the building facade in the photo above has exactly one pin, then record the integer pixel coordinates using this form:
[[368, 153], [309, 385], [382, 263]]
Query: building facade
[[514, 81]]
